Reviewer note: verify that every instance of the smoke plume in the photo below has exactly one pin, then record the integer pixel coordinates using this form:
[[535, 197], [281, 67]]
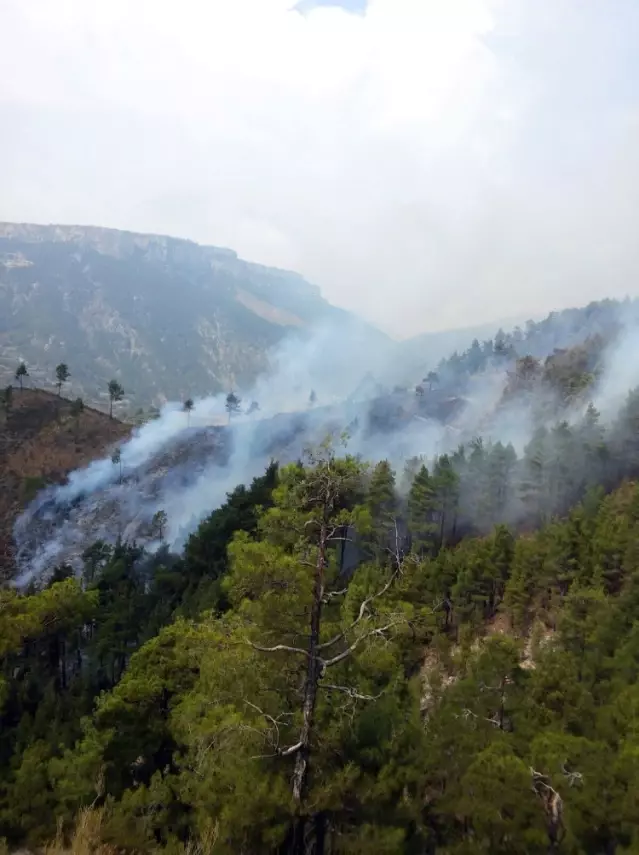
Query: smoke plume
[[318, 384]]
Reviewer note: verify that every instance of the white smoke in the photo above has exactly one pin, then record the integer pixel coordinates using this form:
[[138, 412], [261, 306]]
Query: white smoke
[[620, 373], [186, 464], [94, 504]]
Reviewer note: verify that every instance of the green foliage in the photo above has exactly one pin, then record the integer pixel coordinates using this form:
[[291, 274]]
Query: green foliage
[[232, 404], [574, 338], [205, 556], [116, 393], [62, 375], [421, 511], [21, 373], [383, 506], [158, 523], [31, 486], [471, 694]]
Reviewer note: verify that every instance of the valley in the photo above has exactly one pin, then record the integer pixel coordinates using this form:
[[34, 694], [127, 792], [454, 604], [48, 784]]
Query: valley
[[319, 427], [177, 590]]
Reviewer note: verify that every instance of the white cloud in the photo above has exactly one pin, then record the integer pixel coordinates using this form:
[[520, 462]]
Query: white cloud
[[429, 164]]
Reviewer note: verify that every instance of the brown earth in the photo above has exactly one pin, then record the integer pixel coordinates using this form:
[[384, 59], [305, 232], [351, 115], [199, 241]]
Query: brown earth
[[41, 441]]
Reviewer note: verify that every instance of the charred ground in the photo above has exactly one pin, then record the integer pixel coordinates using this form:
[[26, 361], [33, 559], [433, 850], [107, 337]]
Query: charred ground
[[42, 439]]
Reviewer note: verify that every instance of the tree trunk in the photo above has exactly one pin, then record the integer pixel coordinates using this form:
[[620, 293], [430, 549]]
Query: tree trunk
[[320, 833], [313, 674], [442, 529]]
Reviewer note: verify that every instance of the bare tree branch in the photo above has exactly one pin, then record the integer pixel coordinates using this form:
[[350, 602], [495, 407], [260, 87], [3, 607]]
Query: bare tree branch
[[572, 777], [551, 800], [278, 647], [351, 692], [326, 663], [363, 612], [467, 713], [283, 752], [274, 721], [286, 752], [331, 595]]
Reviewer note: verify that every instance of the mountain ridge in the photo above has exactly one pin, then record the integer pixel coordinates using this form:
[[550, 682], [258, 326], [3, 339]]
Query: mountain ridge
[[167, 317]]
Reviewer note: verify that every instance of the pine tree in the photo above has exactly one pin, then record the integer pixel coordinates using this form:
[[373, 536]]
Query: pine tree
[[158, 523], [534, 482], [233, 404], [62, 374], [383, 506], [21, 374], [446, 482], [116, 393], [421, 513]]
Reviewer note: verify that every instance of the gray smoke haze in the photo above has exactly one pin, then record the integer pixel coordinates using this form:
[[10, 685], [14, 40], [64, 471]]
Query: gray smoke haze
[[429, 164], [620, 371], [185, 466]]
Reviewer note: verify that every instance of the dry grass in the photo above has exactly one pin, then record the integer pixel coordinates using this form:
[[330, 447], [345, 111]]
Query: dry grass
[[40, 439], [86, 838]]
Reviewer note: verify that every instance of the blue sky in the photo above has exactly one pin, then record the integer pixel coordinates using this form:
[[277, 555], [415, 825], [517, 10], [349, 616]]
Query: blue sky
[[429, 163], [357, 7]]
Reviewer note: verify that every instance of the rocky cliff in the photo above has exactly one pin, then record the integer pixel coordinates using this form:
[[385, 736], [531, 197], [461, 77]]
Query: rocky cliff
[[166, 317]]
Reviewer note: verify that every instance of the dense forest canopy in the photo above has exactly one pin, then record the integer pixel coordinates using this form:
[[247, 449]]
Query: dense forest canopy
[[351, 656], [181, 465], [593, 327], [459, 686]]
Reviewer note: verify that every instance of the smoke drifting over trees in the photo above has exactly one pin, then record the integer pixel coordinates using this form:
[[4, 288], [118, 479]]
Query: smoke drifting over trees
[[423, 640], [525, 423]]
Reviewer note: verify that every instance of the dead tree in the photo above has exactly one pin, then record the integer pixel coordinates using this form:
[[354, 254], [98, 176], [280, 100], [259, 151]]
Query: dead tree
[[552, 802], [325, 527]]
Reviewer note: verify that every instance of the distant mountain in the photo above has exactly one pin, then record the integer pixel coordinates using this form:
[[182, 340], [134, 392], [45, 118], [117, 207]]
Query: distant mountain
[[456, 355], [166, 317]]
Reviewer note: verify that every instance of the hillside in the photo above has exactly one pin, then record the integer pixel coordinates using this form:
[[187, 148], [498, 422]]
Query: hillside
[[166, 317], [42, 439], [183, 465], [428, 348], [431, 652], [470, 695]]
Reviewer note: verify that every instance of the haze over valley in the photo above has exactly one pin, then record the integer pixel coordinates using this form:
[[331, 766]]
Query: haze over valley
[[319, 427]]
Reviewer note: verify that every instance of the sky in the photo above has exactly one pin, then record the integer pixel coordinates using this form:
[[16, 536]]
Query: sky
[[428, 163]]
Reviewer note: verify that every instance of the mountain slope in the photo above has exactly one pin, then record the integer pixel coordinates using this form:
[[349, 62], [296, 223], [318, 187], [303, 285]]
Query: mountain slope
[[424, 351], [42, 439], [166, 317]]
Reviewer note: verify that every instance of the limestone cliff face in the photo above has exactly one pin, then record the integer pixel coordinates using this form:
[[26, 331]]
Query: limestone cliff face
[[167, 317]]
